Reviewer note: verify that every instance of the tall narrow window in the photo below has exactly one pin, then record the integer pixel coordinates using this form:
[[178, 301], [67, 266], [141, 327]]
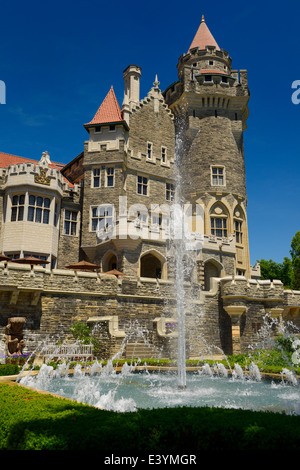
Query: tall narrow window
[[149, 150], [56, 214], [110, 176], [96, 177], [70, 222], [170, 191], [163, 154], [38, 209], [17, 209], [238, 231], [142, 185], [217, 176]]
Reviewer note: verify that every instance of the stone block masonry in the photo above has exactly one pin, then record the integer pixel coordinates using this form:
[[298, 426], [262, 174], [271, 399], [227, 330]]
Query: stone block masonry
[[129, 310]]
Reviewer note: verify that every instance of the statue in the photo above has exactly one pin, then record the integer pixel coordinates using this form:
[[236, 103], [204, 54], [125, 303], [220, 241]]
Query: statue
[[14, 336]]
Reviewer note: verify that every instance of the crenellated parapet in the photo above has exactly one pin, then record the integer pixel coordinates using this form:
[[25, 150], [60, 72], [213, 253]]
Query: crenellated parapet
[[33, 174], [239, 288]]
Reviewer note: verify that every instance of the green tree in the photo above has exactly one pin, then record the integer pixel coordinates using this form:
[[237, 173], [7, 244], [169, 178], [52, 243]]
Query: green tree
[[282, 271], [288, 272], [269, 269], [287, 276], [83, 333], [295, 254]]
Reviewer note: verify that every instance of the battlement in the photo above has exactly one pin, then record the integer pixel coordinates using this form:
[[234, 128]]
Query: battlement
[[35, 174], [234, 287], [210, 52], [19, 280]]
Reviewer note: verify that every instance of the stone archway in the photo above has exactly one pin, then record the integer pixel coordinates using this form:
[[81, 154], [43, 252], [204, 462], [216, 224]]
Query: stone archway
[[109, 261], [151, 266], [211, 269]]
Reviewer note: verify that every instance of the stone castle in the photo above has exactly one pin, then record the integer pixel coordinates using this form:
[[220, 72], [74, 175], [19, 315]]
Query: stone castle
[[110, 208]]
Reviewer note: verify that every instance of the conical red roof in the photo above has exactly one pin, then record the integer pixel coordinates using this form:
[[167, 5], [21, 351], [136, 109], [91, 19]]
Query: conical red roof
[[203, 37], [109, 111]]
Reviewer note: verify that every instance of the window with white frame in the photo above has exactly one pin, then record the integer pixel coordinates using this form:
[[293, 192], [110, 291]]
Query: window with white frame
[[101, 218], [17, 207], [96, 177], [38, 209], [110, 173], [156, 219], [142, 217], [142, 185], [218, 176], [170, 191], [70, 222]]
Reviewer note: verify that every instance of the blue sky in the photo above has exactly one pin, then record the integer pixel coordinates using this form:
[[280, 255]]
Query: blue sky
[[59, 59]]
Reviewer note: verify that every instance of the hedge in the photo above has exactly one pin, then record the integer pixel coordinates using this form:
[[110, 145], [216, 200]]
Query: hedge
[[30, 420]]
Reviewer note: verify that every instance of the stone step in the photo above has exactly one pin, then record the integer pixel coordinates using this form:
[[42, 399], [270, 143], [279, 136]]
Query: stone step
[[140, 350]]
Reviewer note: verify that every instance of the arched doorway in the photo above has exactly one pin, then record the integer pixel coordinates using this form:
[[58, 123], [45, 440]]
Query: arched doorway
[[150, 266], [211, 269], [109, 262]]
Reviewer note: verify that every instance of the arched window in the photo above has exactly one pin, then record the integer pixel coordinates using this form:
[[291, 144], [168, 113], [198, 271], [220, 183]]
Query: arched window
[[219, 221], [150, 266]]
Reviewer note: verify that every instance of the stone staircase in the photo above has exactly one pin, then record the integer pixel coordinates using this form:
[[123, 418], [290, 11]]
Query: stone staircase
[[140, 350]]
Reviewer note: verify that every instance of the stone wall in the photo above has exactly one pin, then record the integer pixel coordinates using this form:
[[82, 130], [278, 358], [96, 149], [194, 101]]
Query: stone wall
[[143, 310]]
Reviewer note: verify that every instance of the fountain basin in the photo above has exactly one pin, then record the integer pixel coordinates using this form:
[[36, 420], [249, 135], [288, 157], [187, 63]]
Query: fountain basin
[[129, 390]]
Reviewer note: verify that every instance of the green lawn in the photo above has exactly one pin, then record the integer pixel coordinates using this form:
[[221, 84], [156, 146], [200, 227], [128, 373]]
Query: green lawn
[[30, 420]]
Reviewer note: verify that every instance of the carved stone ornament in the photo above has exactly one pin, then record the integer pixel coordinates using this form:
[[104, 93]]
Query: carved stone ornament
[[42, 178], [14, 336]]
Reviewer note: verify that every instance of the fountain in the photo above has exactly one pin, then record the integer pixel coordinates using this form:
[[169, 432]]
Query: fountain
[[127, 389]]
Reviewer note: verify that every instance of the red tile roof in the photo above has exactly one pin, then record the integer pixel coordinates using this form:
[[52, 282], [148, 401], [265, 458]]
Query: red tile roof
[[109, 111], [203, 37], [7, 159]]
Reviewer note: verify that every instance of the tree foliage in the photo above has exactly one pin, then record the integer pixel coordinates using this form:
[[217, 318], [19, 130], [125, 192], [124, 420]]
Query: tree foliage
[[288, 272]]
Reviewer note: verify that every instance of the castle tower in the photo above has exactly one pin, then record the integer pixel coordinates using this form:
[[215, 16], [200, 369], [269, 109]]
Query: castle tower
[[209, 102]]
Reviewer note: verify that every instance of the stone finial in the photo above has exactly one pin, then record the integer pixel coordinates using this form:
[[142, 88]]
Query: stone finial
[[202, 19], [45, 158], [156, 83]]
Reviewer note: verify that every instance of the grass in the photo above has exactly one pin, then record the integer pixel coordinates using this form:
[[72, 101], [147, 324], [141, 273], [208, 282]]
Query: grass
[[30, 420]]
